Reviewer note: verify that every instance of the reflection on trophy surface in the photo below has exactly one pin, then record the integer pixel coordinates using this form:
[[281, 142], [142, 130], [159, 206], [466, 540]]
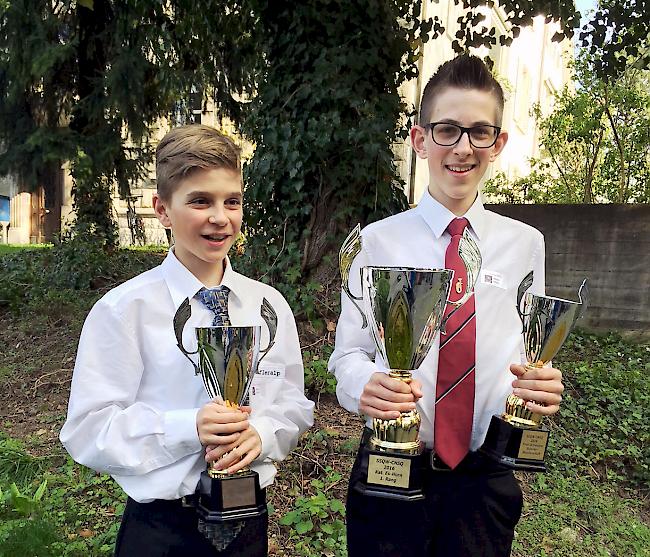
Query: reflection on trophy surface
[[228, 359], [404, 308], [547, 322]]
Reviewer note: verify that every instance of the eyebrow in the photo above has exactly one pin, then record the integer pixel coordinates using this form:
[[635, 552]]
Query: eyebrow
[[457, 123], [200, 193]]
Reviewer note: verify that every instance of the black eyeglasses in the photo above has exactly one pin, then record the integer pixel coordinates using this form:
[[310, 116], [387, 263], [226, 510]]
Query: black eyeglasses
[[480, 137]]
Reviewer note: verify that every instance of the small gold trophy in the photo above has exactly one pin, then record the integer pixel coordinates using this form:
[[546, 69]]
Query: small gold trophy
[[228, 359], [404, 308], [517, 437]]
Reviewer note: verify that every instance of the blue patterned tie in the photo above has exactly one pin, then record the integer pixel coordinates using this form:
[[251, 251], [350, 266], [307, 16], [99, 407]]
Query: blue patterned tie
[[216, 300]]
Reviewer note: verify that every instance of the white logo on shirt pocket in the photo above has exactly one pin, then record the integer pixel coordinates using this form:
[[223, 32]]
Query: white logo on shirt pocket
[[493, 278], [267, 382]]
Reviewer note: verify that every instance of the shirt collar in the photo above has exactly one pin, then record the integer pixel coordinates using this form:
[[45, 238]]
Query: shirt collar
[[183, 284], [438, 217]]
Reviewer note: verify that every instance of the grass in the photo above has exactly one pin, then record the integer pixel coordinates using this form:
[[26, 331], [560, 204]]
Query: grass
[[593, 501], [15, 248]]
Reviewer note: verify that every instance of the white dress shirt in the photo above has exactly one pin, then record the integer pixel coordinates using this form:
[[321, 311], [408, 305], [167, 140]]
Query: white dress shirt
[[417, 238], [134, 396]]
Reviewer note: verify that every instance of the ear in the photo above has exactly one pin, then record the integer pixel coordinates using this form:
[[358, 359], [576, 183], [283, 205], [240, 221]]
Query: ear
[[418, 137], [160, 208], [499, 145]]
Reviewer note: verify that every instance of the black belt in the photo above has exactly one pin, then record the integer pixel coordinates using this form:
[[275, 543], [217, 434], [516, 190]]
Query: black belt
[[167, 504], [473, 463]]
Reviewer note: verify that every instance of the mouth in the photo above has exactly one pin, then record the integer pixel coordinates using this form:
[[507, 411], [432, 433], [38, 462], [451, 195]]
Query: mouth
[[460, 169], [218, 238]]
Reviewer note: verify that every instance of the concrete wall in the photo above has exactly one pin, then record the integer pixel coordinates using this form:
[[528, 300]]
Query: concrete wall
[[608, 244]]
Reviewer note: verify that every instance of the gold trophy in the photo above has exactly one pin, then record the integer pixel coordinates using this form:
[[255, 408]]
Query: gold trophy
[[517, 438], [228, 359], [404, 308]]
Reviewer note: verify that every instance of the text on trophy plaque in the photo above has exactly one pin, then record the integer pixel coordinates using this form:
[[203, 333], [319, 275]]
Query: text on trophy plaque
[[238, 492], [533, 444], [384, 470]]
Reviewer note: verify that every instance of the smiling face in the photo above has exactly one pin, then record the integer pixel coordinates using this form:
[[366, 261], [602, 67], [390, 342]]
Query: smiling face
[[455, 171], [205, 215]]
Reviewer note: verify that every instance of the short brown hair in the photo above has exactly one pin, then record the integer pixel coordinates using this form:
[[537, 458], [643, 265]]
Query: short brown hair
[[186, 149], [464, 72]]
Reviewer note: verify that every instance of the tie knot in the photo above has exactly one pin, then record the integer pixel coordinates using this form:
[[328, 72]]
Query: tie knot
[[456, 226], [216, 299]]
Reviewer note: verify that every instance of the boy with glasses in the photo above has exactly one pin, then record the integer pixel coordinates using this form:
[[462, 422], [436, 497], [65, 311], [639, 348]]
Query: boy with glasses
[[471, 503]]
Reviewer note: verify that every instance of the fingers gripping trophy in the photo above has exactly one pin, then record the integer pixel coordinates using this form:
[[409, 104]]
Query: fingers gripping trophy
[[228, 359], [517, 438], [404, 309]]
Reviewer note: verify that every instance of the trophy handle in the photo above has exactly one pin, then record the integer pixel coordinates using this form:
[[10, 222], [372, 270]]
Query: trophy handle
[[349, 250], [524, 285], [182, 316], [471, 256], [583, 299], [271, 320]]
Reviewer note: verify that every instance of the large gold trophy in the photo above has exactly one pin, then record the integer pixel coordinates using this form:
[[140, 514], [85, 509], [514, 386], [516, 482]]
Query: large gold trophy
[[228, 359], [404, 308], [517, 438]]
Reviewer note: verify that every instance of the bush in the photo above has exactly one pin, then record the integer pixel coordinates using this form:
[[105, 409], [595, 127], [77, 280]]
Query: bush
[[62, 273], [604, 421]]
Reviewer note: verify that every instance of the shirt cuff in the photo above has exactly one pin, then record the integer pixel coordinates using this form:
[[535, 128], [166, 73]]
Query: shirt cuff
[[180, 433], [267, 435]]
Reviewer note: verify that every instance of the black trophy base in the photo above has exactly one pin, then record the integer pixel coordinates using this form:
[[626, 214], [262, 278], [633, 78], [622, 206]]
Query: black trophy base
[[391, 475], [229, 497], [517, 447]]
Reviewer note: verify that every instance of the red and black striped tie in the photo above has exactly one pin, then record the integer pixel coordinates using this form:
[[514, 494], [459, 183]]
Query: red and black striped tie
[[455, 386]]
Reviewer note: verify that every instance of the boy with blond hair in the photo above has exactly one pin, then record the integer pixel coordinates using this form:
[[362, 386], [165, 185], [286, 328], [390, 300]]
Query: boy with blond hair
[[137, 411], [471, 504]]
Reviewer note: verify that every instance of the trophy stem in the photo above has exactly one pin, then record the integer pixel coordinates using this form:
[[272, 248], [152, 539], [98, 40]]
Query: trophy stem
[[401, 434], [516, 412], [401, 374]]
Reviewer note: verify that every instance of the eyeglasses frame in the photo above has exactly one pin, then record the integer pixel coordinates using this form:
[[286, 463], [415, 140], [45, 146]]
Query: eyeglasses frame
[[463, 130]]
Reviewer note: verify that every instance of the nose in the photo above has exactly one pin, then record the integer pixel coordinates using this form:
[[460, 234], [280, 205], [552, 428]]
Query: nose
[[463, 145], [218, 215]]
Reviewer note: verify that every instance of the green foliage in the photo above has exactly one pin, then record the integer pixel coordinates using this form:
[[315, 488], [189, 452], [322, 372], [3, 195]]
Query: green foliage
[[569, 516], [323, 121], [67, 273], [89, 82], [68, 511], [317, 378], [596, 144], [316, 523], [18, 464], [618, 36], [604, 423]]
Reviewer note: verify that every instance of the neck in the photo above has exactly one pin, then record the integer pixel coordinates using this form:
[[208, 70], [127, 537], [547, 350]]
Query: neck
[[457, 206], [214, 275]]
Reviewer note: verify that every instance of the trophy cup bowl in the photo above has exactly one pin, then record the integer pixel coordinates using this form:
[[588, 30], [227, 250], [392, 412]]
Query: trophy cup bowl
[[228, 359], [517, 438], [404, 309]]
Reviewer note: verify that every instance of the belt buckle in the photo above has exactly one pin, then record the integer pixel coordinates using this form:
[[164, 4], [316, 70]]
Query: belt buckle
[[188, 501], [436, 464]]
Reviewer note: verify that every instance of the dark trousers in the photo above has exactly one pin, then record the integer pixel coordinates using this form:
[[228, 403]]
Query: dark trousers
[[167, 529], [469, 512]]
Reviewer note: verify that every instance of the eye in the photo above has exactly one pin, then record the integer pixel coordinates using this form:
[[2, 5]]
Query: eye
[[198, 201], [233, 202], [482, 132]]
